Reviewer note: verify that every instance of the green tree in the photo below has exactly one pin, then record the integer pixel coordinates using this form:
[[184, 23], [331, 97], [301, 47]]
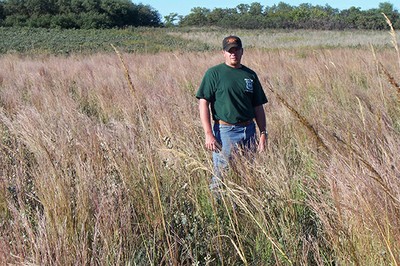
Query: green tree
[[77, 7], [77, 13], [249, 22], [371, 20], [119, 12], [302, 13], [256, 9], [66, 21], [226, 18], [40, 7], [243, 9], [145, 15], [284, 15], [2, 15], [388, 9], [351, 17], [281, 8], [170, 19], [64, 6], [279, 16], [197, 17], [14, 7], [216, 15], [95, 20]]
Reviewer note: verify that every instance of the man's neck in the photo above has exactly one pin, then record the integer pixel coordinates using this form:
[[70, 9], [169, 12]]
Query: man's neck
[[234, 66]]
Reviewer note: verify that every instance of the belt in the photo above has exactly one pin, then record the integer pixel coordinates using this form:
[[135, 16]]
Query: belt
[[244, 123]]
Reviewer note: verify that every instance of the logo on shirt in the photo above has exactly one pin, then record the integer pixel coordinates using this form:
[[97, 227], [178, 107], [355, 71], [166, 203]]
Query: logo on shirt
[[249, 85]]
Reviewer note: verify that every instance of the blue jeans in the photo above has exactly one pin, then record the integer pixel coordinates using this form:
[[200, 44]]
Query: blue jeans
[[232, 138]]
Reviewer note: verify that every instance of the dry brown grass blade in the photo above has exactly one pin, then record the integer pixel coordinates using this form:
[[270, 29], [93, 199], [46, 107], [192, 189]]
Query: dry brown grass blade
[[390, 78], [131, 87], [376, 176], [302, 119], [394, 39], [128, 77]]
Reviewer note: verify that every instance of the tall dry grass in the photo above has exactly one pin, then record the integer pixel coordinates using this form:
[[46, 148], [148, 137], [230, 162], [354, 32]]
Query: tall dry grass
[[87, 178]]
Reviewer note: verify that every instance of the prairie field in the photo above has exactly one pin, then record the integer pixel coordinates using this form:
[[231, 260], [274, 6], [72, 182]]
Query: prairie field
[[102, 157]]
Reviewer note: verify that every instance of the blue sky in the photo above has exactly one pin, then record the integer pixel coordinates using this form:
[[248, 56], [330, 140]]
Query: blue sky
[[183, 7]]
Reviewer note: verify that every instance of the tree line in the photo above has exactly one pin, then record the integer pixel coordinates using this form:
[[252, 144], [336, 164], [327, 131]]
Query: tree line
[[78, 14], [285, 16], [97, 14]]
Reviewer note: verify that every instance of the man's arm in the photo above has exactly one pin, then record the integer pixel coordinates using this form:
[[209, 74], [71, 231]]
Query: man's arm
[[211, 142], [261, 123]]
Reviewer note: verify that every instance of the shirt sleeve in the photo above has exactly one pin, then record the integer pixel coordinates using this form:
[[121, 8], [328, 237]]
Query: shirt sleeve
[[207, 87], [259, 96]]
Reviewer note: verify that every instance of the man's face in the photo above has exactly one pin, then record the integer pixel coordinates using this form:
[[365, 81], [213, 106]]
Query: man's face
[[233, 56]]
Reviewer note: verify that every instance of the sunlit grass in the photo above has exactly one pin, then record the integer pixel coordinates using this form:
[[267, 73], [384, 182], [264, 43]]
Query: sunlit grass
[[92, 173]]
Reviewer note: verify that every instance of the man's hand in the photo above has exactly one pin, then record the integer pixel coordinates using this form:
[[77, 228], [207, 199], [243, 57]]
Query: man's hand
[[212, 144], [262, 145]]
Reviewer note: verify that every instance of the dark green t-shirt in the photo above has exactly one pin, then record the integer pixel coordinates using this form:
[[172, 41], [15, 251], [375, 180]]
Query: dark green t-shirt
[[232, 92]]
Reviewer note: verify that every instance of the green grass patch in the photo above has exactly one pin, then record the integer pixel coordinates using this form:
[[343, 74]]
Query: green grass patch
[[64, 42]]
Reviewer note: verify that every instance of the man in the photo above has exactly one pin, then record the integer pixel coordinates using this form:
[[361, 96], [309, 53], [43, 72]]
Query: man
[[232, 93]]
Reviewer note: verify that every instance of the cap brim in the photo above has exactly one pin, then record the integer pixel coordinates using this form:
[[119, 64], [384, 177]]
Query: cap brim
[[229, 46]]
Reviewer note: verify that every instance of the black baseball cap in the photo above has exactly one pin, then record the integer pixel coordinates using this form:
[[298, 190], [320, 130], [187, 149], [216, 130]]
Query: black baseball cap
[[231, 41]]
